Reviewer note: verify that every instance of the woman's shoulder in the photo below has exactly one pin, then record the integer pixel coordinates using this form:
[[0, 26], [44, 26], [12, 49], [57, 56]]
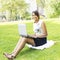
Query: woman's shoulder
[[41, 21]]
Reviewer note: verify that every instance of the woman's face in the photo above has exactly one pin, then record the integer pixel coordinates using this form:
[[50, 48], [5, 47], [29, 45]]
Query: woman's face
[[35, 17]]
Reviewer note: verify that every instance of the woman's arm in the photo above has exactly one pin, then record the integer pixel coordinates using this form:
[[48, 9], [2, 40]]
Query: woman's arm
[[44, 34]]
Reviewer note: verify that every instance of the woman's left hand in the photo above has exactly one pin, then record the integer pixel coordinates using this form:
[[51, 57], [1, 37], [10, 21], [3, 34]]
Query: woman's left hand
[[34, 36]]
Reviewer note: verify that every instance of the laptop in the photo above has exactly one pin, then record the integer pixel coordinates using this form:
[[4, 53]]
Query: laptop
[[22, 31]]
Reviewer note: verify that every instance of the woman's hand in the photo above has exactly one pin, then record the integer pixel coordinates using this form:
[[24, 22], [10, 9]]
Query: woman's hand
[[34, 36]]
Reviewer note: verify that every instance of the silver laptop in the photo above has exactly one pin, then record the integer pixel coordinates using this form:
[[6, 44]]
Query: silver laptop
[[22, 31]]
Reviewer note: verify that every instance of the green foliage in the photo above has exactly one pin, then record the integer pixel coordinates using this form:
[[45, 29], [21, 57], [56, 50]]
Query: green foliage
[[52, 7], [56, 7], [41, 3], [14, 7], [27, 16]]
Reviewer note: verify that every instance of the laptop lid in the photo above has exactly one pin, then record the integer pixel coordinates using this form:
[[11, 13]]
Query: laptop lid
[[22, 29]]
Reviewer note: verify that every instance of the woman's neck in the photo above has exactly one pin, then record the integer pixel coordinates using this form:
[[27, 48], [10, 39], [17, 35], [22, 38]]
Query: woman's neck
[[36, 21]]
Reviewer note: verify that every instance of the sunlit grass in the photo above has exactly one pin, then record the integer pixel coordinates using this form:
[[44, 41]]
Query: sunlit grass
[[9, 37]]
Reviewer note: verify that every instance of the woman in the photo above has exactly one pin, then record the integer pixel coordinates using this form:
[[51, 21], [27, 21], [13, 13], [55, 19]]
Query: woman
[[39, 38]]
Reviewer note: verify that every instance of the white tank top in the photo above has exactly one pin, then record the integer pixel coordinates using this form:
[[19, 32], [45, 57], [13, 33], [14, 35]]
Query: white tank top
[[37, 27]]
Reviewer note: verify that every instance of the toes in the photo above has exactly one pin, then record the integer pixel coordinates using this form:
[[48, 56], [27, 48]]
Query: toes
[[8, 56], [5, 54]]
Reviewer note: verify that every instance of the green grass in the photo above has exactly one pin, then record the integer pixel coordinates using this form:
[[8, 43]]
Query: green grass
[[9, 37]]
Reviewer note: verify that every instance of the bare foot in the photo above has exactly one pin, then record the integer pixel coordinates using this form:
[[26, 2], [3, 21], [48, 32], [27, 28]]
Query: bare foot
[[8, 56]]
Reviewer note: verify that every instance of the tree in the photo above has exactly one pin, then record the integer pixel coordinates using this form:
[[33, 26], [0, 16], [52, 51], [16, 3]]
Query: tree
[[41, 6], [56, 7], [51, 7], [41, 3], [14, 7]]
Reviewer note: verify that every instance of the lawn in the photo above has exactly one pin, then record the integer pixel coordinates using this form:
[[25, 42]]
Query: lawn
[[9, 37]]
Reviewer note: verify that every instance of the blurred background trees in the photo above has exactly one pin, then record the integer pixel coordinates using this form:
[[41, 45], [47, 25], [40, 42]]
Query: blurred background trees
[[18, 9], [51, 7], [55, 5], [12, 9]]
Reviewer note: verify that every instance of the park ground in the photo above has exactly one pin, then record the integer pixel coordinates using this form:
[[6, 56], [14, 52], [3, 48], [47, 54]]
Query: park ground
[[9, 37]]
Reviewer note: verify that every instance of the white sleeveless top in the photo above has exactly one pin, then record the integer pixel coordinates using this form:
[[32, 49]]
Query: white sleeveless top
[[37, 27]]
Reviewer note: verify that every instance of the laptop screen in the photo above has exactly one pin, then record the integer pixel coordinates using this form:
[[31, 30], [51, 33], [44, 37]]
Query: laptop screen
[[22, 29]]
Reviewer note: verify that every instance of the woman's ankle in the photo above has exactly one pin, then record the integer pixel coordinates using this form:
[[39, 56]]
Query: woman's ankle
[[13, 55]]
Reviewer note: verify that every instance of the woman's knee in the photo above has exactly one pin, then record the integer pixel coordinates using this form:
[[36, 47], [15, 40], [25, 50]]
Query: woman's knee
[[24, 39]]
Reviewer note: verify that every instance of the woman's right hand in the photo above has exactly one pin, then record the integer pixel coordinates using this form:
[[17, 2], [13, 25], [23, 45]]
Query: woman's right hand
[[33, 36]]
